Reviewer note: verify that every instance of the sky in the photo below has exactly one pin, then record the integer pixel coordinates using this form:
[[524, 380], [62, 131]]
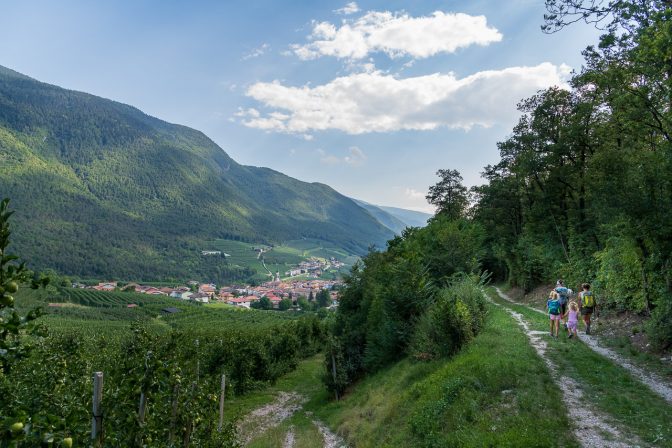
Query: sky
[[369, 97]]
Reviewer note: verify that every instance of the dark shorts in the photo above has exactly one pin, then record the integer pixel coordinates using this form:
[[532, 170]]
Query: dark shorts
[[587, 310], [563, 308]]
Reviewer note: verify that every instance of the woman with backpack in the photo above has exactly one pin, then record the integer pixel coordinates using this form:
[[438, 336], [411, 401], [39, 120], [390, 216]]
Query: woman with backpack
[[587, 304]]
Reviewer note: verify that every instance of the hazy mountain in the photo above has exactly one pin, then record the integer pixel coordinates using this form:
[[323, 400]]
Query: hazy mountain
[[410, 217], [102, 189], [385, 218]]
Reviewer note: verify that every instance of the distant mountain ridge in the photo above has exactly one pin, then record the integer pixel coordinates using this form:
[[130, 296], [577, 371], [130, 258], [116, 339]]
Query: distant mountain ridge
[[394, 218], [101, 189], [410, 217]]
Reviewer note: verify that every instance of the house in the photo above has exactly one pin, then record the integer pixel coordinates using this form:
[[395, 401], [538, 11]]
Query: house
[[242, 301], [171, 310], [207, 288], [225, 296], [211, 252], [200, 297], [107, 286], [154, 292]]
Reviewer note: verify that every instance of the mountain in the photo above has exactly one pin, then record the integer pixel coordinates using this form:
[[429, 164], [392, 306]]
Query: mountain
[[409, 217], [395, 219], [101, 189], [385, 218]]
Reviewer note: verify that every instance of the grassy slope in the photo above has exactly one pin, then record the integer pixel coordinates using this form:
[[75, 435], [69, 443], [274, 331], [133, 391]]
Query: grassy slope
[[496, 392], [102, 189], [630, 404]]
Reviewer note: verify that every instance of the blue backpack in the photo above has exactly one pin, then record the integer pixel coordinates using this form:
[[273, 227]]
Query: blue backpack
[[553, 306], [563, 293]]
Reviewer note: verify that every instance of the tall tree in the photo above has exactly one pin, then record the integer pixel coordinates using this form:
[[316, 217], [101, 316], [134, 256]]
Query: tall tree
[[449, 195]]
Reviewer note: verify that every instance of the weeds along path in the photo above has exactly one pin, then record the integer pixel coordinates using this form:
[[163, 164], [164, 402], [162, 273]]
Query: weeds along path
[[591, 429], [656, 383]]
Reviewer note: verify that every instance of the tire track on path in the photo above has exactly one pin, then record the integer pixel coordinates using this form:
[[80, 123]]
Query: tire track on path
[[654, 382], [590, 428]]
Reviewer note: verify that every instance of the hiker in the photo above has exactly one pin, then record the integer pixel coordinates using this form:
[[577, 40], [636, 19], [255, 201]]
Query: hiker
[[588, 304], [553, 307], [572, 319], [563, 297]]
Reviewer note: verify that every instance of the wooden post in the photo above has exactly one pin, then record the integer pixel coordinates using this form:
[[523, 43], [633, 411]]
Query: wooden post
[[333, 373], [221, 403], [173, 416], [198, 362], [97, 421], [142, 406]]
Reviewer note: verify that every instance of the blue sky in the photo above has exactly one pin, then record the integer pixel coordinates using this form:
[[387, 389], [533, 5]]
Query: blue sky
[[369, 97]]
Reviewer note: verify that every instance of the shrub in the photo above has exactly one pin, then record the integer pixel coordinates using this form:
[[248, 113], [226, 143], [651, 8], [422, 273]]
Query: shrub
[[659, 328], [456, 315]]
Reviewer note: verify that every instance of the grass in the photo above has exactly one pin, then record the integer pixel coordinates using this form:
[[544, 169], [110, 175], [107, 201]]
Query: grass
[[631, 405], [496, 392]]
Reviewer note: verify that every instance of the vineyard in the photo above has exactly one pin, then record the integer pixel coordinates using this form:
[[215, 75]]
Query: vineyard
[[162, 372]]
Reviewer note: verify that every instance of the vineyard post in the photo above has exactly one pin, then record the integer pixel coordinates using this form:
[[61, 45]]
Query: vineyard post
[[173, 416], [97, 421], [221, 403]]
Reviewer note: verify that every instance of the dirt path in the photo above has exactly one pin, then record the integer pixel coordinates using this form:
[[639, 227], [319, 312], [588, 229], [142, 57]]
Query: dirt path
[[331, 440], [289, 438], [656, 383], [590, 428], [269, 416]]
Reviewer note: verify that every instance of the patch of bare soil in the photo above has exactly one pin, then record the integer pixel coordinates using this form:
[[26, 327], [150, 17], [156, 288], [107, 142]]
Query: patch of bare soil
[[331, 440], [269, 416], [289, 439]]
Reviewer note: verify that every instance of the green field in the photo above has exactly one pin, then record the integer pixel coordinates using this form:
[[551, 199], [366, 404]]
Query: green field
[[281, 258]]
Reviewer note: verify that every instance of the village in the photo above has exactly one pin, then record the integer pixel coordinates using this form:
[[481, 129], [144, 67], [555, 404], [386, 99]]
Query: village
[[237, 295], [313, 267]]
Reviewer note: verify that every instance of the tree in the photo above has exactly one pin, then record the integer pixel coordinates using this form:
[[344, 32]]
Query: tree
[[323, 298], [285, 304], [449, 195], [262, 304], [311, 297], [303, 303]]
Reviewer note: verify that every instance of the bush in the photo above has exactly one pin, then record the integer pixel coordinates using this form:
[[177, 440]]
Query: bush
[[659, 327], [451, 321]]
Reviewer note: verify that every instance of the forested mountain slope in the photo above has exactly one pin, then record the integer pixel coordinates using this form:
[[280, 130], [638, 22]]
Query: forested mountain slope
[[102, 189]]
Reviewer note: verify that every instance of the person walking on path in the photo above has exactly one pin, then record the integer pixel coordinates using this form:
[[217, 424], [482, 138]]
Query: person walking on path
[[554, 313], [572, 316], [588, 305], [563, 296]]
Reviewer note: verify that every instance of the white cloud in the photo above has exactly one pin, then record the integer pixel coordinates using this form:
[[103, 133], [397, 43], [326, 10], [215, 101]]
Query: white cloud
[[257, 52], [349, 8], [355, 157], [376, 102], [397, 34], [414, 194]]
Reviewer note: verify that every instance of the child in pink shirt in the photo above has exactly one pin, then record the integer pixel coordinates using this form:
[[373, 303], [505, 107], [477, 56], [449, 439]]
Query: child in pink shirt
[[572, 316]]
